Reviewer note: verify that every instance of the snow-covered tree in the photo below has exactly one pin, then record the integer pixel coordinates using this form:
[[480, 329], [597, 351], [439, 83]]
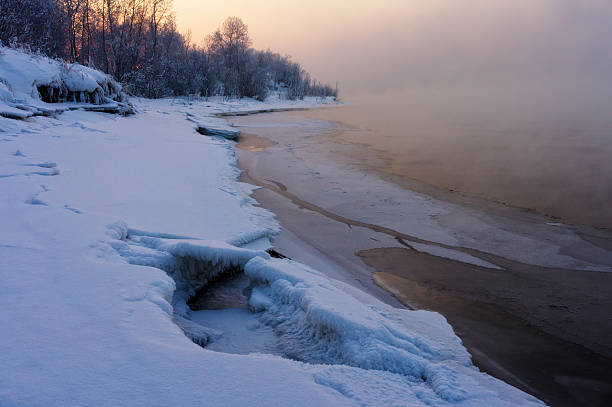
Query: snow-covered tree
[[34, 24], [138, 43]]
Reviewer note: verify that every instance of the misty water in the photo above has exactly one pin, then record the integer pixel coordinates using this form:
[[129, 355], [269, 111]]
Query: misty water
[[531, 149], [543, 305]]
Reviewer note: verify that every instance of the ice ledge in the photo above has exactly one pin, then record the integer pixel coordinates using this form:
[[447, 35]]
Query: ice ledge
[[320, 323], [227, 132]]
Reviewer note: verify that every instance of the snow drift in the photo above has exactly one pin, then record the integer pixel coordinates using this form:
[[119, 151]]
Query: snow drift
[[32, 85]]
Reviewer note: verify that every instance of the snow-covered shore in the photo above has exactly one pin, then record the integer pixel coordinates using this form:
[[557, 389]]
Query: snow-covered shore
[[33, 85], [109, 223]]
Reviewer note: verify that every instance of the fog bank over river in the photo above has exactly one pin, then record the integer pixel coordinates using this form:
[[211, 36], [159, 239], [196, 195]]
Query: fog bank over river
[[503, 144], [508, 100]]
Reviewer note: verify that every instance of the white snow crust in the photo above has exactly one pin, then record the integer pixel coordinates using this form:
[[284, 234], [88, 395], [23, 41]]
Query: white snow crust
[[76, 86]]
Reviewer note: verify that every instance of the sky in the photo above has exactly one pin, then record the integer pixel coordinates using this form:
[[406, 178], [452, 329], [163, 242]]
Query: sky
[[389, 44]]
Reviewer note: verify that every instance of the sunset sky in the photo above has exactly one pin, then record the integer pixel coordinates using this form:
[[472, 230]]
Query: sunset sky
[[312, 32], [399, 43]]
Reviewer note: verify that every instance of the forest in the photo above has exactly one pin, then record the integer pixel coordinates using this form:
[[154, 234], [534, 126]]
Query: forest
[[137, 41]]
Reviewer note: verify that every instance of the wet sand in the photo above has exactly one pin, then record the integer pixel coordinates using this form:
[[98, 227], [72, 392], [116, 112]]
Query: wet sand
[[503, 319], [252, 142], [545, 330]]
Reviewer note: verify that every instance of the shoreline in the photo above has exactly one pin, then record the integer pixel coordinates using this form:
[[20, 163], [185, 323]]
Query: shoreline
[[444, 176], [480, 202], [296, 236], [135, 214]]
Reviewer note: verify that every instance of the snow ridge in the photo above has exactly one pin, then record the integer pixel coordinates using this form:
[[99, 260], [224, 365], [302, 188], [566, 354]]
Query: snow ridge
[[319, 323], [34, 85]]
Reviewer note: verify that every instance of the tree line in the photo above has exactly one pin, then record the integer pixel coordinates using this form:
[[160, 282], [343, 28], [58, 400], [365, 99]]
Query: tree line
[[137, 42]]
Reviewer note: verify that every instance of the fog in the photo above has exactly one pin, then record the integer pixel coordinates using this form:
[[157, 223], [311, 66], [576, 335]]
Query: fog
[[534, 51], [510, 100], [480, 42], [398, 43]]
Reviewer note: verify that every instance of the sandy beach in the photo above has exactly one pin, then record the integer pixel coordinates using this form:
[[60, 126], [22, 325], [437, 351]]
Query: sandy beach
[[533, 315]]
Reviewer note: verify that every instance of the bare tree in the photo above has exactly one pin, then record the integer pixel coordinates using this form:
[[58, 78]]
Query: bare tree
[[36, 24]]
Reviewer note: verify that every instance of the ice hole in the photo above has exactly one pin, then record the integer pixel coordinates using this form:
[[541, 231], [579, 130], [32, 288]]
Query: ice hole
[[223, 306]]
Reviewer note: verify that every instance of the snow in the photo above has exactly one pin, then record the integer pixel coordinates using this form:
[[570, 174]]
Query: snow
[[241, 331], [82, 79], [5, 92], [110, 223], [319, 322], [21, 74]]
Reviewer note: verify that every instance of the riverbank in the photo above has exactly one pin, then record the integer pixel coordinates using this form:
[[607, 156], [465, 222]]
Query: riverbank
[[112, 224], [509, 282]]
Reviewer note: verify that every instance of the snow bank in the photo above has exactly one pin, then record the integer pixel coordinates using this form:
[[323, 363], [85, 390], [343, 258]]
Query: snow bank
[[320, 323], [217, 126], [33, 85], [191, 263]]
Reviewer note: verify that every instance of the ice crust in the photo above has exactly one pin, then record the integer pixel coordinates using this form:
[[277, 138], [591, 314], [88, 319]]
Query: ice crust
[[320, 323]]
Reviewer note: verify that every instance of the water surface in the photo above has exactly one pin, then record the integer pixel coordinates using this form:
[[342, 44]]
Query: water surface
[[519, 289], [495, 145]]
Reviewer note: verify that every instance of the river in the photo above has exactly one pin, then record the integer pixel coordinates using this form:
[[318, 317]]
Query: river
[[521, 289]]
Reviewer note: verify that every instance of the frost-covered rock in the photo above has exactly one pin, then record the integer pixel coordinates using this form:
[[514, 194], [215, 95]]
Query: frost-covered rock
[[36, 85], [222, 131]]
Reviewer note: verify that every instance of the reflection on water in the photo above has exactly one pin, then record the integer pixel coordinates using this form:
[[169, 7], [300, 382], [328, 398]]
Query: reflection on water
[[518, 149], [251, 142]]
